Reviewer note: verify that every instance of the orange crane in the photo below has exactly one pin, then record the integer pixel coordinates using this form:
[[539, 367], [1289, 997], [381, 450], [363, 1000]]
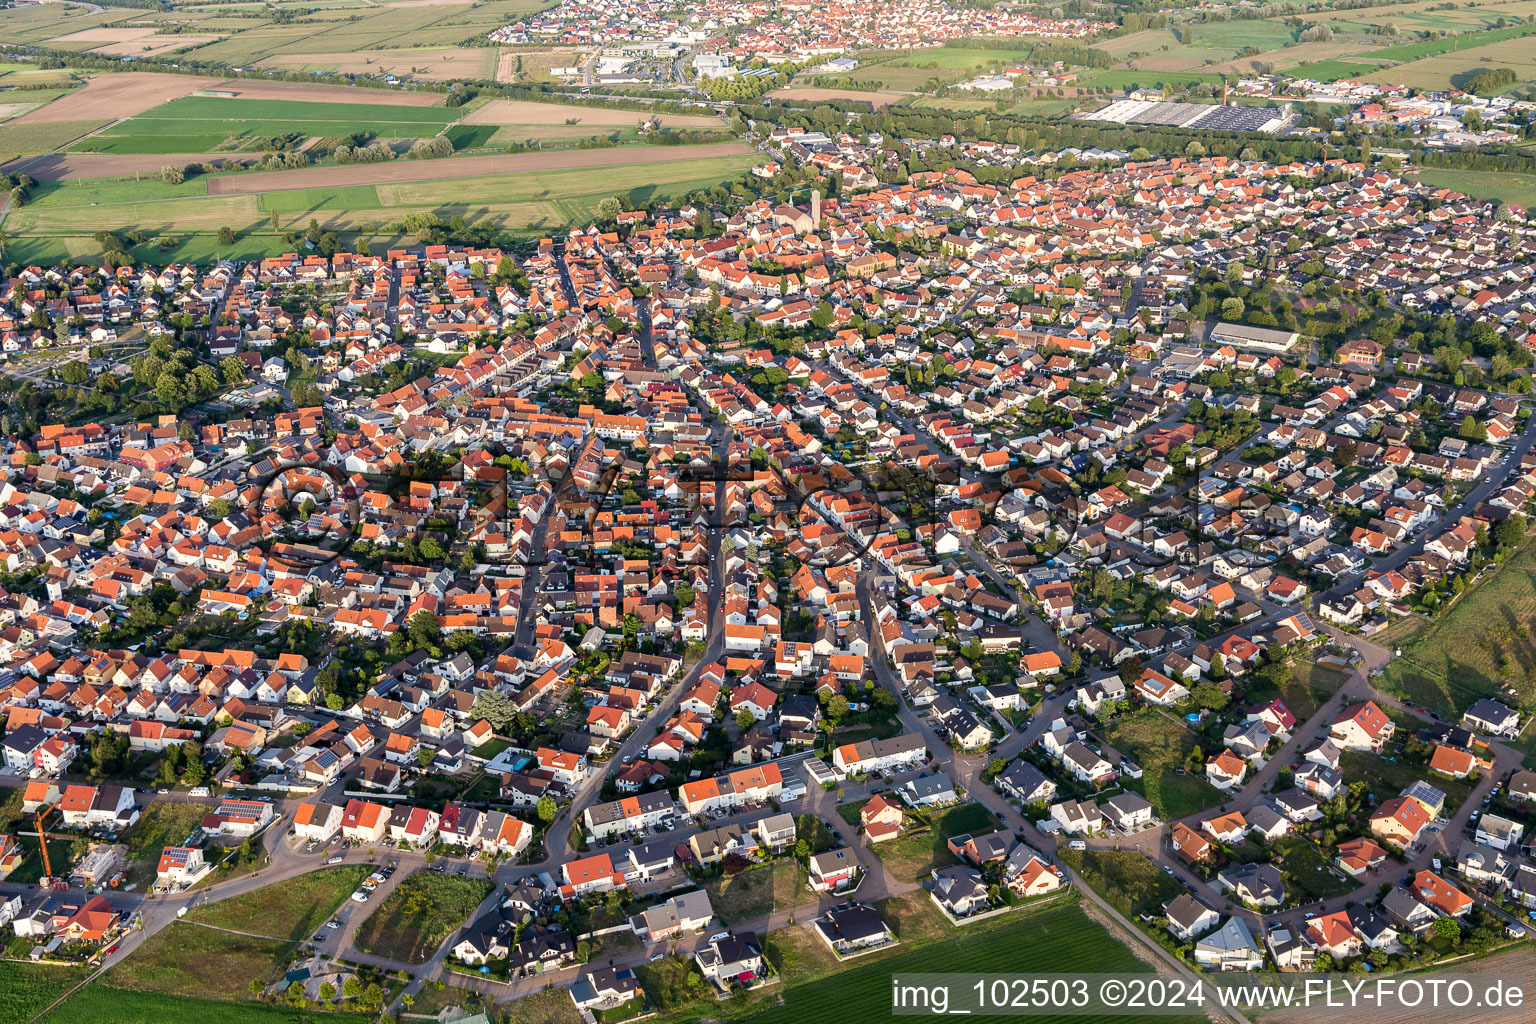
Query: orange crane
[[42, 842]]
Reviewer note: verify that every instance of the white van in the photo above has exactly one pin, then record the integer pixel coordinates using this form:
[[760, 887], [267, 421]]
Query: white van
[[1077, 844]]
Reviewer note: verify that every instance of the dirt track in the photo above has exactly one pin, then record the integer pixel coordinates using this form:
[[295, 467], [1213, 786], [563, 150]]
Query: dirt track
[[463, 167]]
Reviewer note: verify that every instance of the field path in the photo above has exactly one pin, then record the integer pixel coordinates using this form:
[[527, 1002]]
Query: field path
[[233, 931], [464, 167]]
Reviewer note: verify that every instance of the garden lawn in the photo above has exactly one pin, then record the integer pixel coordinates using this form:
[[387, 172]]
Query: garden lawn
[[422, 911], [1160, 745], [1309, 873], [849, 811], [1386, 779], [911, 857], [289, 909]]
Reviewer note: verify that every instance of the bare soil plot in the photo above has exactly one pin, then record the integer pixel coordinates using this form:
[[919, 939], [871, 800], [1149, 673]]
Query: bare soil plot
[[465, 166], [529, 112], [506, 60], [153, 45], [106, 97], [454, 62], [72, 166], [877, 99]]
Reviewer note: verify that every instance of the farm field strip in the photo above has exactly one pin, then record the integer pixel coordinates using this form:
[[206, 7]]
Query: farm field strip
[[1053, 940]]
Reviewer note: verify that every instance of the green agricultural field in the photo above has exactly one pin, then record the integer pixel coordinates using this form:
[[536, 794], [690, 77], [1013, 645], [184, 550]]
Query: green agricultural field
[[1519, 189], [471, 136], [961, 58], [1222, 39], [58, 226], [213, 108], [423, 910], [1452, 67], [27, 989], [1332, 70], [44, 21], [911, 857], [309, 200], [95, 1004], [345, 30], [185, 959], [21, 139], [201, 124], [1127, 80], [1466, 41], [290, 909], [1060, 940], [1160, 744], [1477, 647]]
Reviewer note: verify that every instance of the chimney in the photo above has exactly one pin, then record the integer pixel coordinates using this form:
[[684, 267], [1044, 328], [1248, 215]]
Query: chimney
[[816, 209], [1223, 92]]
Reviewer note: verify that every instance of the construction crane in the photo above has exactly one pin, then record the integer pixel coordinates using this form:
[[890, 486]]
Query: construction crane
[[47, 881]]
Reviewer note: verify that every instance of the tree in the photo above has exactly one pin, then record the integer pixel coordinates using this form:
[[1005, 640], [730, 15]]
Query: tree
[[1509, 532], [424, 630], [327, 991], [745, 718], [610, 208], [1447, 928], [1344, 454], [226, 235], [172, 175], [546, 809], [1209, 695], [232, 370], [495, 707], [352, 988], [837, 708], [1233, 308], [1472, 430], [74, 372]]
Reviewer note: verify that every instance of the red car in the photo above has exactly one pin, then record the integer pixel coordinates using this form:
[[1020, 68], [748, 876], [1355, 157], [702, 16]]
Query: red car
[[111, 951]]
